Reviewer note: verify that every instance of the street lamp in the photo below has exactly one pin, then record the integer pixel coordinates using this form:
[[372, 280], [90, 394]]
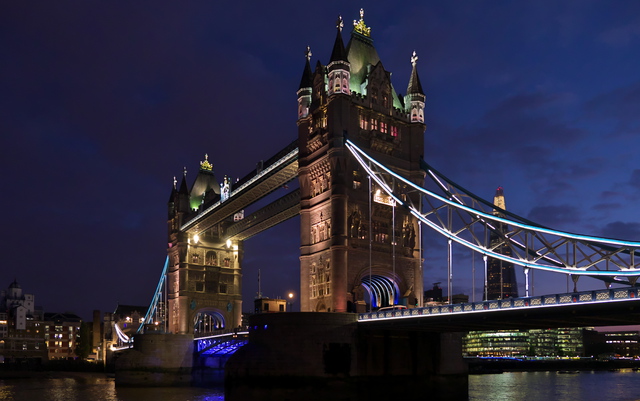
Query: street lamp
[[290, 303]]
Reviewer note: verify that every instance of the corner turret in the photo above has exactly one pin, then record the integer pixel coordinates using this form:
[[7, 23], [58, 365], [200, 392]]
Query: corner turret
[[339, 67], [306, 85], [415, 98]]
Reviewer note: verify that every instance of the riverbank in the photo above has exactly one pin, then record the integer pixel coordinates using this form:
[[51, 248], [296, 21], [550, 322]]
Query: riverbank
[[497, 365]]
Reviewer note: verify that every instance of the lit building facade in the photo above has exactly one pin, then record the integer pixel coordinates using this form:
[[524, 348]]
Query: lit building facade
[[561, 342], [352, 98], [204, 270], [62, 334], [22, 335]]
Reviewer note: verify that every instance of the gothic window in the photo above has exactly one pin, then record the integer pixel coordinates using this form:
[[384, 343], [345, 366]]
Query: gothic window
[[383, 127], [336, 88], [394, 131], [345, 85], [227, 262], [374, 124], [374, 96], [223, 288], [211, 259], [363, 122], [195, 258], [385, 99]]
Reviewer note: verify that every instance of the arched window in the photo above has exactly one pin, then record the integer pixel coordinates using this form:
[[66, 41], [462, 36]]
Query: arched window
[[211, 259]]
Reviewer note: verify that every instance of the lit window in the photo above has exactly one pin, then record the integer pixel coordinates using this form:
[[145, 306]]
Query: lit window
[[383, 127]]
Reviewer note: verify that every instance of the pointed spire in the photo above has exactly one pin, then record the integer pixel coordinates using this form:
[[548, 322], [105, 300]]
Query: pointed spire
[[307, 74], [174, 190], [339, 53], [184, 189], [415, 98], [498, 200], [414, 82]]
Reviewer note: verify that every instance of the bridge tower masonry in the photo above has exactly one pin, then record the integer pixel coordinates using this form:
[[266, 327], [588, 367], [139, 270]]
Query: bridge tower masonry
[[352, 97], [204, 274]]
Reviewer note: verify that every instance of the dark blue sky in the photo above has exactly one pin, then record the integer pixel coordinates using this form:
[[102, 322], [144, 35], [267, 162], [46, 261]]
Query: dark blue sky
[[102, 103]]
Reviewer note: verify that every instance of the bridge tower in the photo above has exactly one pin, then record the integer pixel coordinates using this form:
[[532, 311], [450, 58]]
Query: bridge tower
[[352, 256], [204, 274]]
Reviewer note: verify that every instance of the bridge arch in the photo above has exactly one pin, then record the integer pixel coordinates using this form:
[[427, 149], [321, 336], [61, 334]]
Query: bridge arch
[[207, 321], [379, 287]]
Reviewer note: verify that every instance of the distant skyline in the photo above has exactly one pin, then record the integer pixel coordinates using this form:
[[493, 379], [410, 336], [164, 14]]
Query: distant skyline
[[102, 104]]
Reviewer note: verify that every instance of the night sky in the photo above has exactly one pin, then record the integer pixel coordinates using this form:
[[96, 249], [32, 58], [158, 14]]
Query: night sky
[[102, 103]]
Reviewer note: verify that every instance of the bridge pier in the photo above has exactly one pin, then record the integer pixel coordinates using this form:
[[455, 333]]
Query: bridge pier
[[316, 355], [156, 360]]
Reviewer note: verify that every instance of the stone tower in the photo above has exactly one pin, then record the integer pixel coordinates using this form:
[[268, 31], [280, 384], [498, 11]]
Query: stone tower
[[204, 291], [357, 249], [501, 277]]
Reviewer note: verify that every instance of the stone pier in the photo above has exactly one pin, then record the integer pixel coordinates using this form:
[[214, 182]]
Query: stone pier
[[319, 355], [156, 360]]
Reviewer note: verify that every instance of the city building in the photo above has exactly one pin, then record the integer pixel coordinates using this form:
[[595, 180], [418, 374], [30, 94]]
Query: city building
[[270, 305], [62, 334], [619, 342], [561, 342], [501, 276], [22, 335]]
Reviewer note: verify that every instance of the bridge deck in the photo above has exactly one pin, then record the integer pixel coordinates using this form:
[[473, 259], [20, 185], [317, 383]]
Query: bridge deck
[[581, 309]]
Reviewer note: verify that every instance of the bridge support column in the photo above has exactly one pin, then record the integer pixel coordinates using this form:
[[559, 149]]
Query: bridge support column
[[314, 356], [156, 360]]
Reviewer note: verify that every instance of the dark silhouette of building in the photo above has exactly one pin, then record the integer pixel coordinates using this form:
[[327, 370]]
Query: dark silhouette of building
[[501, 276]]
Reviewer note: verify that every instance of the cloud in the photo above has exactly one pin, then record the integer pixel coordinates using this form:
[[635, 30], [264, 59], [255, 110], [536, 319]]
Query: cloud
[[621, 36], [622, 230], [554, 216], [635, 179], [619, 105], [606, 207]]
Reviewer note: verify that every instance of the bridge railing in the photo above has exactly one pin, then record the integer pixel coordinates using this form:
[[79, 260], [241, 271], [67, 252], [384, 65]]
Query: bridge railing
[[541, 301]]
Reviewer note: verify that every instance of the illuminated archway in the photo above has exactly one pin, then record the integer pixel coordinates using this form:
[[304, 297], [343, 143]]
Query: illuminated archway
[[207, 322], [382, 290]]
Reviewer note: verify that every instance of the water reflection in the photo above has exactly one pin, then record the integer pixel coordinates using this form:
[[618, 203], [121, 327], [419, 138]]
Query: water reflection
[[622, 385]]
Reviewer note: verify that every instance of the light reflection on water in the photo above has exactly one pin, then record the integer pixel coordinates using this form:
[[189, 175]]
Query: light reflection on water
[[96, 387], [623, 385]]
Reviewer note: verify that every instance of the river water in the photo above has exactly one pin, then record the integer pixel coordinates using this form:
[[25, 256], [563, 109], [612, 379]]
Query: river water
[[623, 385]]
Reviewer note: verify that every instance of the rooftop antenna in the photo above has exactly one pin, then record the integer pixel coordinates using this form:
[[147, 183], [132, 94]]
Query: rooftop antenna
[[259, 289]]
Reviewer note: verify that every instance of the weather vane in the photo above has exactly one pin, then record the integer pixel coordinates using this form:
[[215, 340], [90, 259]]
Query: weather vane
[[339, 23], [414, 59], [307, 54]]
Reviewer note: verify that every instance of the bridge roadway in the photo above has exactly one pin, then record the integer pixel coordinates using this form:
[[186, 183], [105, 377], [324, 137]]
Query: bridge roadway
[[620, 306], [271, 175]]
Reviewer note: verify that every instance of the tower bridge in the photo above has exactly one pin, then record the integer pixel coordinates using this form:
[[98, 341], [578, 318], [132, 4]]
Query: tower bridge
[[363, 203], [364, 196]]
